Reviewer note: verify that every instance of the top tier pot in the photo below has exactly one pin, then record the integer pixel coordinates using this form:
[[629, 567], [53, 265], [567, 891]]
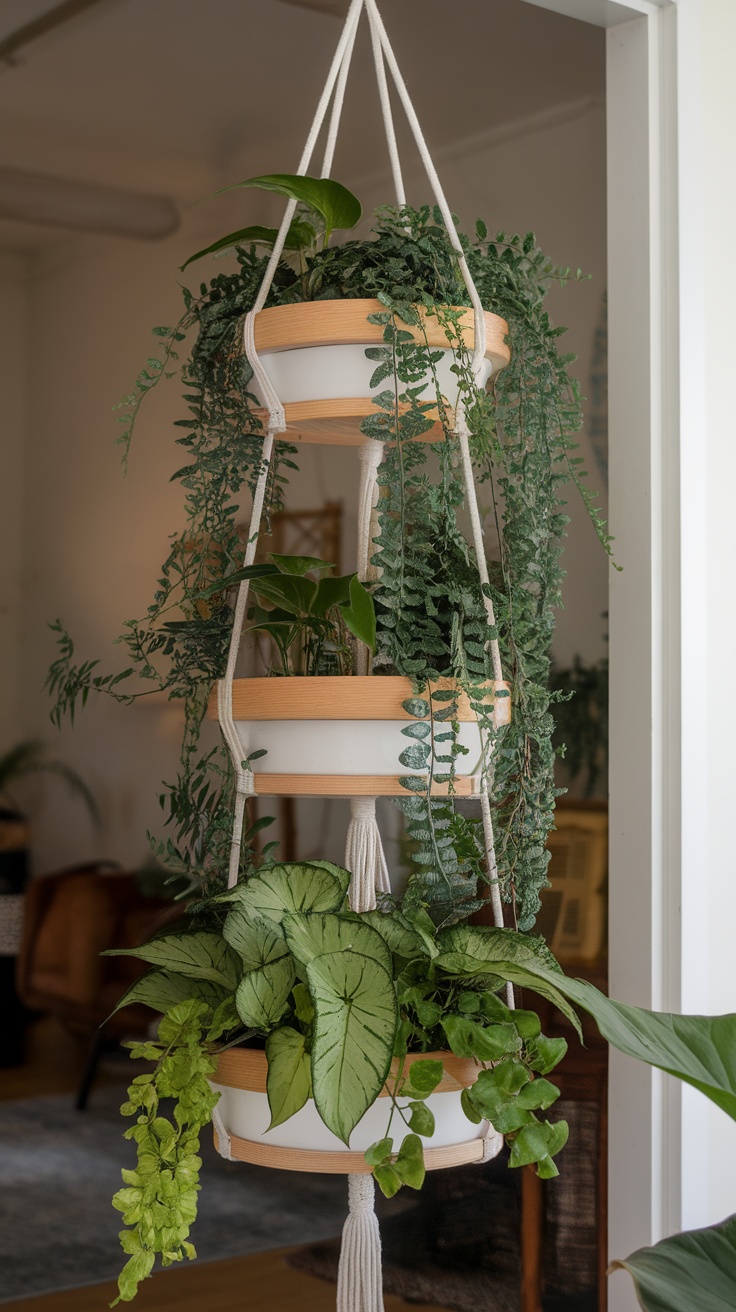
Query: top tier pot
[[314, 355]]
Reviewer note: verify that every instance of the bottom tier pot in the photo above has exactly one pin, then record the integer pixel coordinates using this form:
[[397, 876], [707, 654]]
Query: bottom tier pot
[[304, 1143]]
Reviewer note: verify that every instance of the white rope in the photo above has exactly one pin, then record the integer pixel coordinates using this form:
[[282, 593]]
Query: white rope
[[337, 103], [224, 1143], [364, 855], [370, 455], [388, 118], [493, 1142], [359, 1285]]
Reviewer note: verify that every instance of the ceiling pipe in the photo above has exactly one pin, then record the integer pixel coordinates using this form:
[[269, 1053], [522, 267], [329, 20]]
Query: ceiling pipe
[[36, 198]]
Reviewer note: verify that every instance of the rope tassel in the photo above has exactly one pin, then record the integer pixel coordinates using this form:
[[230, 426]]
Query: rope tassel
[[364, 855], [359, 1284]]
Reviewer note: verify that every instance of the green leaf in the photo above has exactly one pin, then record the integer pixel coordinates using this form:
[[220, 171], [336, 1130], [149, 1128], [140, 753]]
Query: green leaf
[[337, 206], [378, 1152], [388, 1179], [695, 1270], [160, 990], [289, 1079], [409, 1164], [469, 1039], [425, 1075], [285, 888], [198, 955], [539, 1142], [315, 934], [288, 591], [700, 1050], [356, 1018], [330, 592], [421, 1120], [360, 614], [300, 234], [394, 929], [299, 565], [262, 995], [256, 941]]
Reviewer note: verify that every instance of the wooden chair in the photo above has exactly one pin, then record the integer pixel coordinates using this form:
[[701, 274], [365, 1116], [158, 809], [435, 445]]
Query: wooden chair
[[70, 918]]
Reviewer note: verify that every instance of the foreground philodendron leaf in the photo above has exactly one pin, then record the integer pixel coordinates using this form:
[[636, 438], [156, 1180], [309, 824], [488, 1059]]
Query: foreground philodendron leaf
[[289, 1080], [693, 1272], [356, 1017], [359, 613], [337, 206], [198, 955], [262, 995], [299, 887], [313, 935], [701, 1050]]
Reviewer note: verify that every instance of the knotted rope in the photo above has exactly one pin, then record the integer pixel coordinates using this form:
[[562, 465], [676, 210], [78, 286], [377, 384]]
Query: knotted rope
[[359, 1285]]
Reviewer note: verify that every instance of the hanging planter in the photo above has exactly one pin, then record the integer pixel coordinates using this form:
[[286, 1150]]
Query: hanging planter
[[343, 736], [314, 354], [388, 344], [304, 1143]]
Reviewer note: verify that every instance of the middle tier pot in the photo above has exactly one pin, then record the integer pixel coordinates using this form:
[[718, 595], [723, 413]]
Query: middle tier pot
[[341, 735]]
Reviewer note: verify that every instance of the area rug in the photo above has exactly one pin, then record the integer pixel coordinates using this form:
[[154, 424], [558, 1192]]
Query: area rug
[[59, 1169]]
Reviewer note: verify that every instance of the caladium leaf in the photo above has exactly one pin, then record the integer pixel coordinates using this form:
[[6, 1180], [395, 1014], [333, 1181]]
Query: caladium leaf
[[313, 935], [687, 1271], [289, 1079], [395, 930], [161, 990], [356, 1018], [198, 955], [300, 234], [262, 995], [290, 887], [256, 941], [336, 206]]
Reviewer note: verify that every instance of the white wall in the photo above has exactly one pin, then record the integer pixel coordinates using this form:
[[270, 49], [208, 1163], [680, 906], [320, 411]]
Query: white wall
[[93, 541]]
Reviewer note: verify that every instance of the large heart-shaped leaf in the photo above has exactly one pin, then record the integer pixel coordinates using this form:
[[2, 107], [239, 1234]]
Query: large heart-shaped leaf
[[262, 995], [300, 234], [692, 1272], [336, 206], [330, 592], [161, 990], [256, 941], [356, 1018], [359, 613], [290, 887], [198, 955], [312, 935], [289, 1079]]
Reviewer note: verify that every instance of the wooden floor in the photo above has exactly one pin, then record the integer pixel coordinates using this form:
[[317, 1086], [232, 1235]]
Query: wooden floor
[[259, 1283]]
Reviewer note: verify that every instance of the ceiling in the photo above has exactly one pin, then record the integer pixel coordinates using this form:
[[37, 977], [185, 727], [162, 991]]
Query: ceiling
[[172, 97]]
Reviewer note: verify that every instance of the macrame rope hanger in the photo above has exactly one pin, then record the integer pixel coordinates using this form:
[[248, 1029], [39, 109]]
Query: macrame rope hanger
[[359, 1278]]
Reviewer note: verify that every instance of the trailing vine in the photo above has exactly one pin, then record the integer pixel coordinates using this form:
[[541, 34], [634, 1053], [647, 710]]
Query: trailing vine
[[430, 615]]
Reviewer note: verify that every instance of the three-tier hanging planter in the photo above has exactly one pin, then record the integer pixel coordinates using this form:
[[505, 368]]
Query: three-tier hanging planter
[[318, 1020]]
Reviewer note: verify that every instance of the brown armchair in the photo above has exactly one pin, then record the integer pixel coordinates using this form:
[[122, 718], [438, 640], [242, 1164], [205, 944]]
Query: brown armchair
[[71, 918]]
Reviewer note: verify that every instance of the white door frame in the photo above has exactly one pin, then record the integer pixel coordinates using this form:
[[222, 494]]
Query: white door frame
[[672, 877]]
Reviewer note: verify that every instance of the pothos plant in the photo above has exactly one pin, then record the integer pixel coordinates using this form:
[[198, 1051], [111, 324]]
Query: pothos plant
[[275, 959]]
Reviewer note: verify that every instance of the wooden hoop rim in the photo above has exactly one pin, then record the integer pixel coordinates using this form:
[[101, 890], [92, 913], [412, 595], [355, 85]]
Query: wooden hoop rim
[[246, 1068], [343, 697], [345, 322], [343, 1163], [354, 785]]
